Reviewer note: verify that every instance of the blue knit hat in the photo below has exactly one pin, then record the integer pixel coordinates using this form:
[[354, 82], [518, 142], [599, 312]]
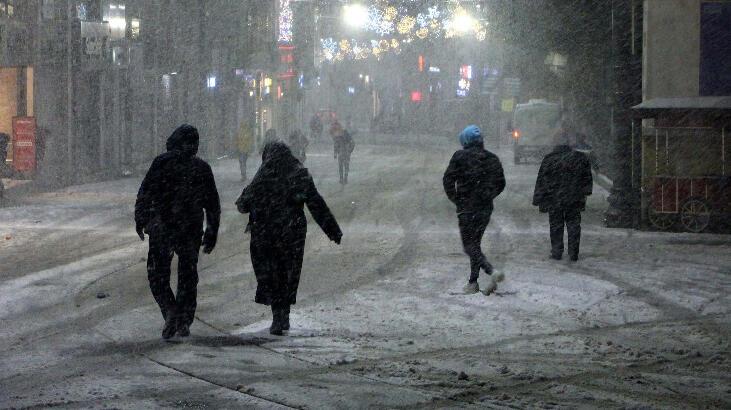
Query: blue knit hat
[[469, 135]]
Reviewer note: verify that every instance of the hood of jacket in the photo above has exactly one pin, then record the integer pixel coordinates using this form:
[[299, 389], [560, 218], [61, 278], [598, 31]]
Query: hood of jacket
[[470, 135], [184, 140], [562, 148]]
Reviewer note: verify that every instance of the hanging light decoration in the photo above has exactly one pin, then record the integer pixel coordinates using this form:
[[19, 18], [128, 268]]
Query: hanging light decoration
[[406, 24], [395, 26], [390, 13], [285, 21]]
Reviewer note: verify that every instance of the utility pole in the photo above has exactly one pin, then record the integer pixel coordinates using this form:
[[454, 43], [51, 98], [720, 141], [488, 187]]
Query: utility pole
[[69, 94], [624, 198]]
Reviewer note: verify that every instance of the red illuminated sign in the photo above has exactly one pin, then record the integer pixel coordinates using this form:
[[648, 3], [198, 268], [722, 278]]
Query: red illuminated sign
[[24, 143]]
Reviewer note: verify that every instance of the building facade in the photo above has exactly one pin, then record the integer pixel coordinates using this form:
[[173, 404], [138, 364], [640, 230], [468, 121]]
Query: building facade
[[106, 81], [685, 116]]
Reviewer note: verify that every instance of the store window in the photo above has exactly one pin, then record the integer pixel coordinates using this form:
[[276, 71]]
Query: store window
[[715, 76], [16, 97], [7, 8]]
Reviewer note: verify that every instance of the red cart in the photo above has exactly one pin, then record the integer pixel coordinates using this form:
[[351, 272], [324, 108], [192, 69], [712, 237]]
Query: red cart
[[689, 201]]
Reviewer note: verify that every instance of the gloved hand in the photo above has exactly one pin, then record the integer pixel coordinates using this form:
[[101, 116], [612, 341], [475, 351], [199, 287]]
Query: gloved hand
[[209, 242], [337, 238], [140, 231]]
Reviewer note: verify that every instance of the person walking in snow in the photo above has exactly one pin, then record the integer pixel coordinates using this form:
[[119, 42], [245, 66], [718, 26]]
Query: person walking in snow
[[245, 145], [177, 191], [6, 171], [274, 201], [343, 146], [564, 181], [316, 127], [473, 179], [298, 144], [269, 136]]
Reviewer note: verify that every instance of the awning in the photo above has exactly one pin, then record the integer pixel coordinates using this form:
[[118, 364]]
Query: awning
[[685, 103]]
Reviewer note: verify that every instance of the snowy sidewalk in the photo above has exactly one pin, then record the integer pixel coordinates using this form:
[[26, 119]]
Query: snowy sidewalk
[[640, 321]]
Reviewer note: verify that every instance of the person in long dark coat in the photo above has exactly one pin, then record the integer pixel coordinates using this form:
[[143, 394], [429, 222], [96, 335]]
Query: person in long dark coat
[[473, 179], [564, 181], [178, 188], [274, 201]]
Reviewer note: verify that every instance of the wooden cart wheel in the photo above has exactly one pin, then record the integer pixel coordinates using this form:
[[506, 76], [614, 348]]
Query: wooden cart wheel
[[695, 215], [661, 221]]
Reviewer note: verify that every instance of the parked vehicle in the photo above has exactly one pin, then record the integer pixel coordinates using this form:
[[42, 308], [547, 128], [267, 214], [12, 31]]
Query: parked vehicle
[[534, 125]]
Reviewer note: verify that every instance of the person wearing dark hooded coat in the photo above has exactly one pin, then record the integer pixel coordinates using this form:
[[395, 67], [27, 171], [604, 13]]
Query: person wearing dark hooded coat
[[178, 190], [274, 201], [564, 181], [473, 179]]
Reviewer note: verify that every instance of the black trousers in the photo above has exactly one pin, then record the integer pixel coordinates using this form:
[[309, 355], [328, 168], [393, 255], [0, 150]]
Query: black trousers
[[343, 167], [242, 163], [159, 258], [571, 219], [472, 226]]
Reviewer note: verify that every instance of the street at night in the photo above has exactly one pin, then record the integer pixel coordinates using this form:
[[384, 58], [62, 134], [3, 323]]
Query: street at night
[[315, 204], [641, 320]]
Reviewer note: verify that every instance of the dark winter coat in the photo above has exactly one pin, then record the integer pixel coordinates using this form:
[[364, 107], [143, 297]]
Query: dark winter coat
[[275, 200], [344, 144], [474, 178], [564, 180], [178, 188]]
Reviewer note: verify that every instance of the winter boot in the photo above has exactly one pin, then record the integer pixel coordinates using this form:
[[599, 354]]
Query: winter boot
[[471, 288], [277, 327], [183, 330], [492, 284], [486, 266], [285, 323], [171, 325]]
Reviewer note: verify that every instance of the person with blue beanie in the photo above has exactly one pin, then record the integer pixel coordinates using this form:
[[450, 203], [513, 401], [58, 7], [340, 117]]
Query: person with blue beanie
[[473, 179]]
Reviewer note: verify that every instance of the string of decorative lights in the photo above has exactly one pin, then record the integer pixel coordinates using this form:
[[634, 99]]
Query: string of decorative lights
[[394, 25]]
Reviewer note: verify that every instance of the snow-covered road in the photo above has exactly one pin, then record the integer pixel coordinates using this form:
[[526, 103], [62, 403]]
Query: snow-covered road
[[641, 320]]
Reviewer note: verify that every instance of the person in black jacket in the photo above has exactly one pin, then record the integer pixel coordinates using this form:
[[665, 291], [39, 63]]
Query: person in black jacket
[[564, 181], [178, 188], [473, 179], [274, 201]]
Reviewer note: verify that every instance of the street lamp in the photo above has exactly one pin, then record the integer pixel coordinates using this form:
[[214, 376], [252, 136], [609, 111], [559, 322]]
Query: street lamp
[[463, 22], [355, 15]]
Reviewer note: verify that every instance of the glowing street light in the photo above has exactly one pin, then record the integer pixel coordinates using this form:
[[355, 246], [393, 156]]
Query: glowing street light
[[355, 15], [463, 22]]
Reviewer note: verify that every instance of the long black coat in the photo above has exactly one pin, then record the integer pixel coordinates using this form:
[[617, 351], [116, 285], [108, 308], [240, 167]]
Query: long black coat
[[473, 179], [564, 180], [275, 200], [178, 188]]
